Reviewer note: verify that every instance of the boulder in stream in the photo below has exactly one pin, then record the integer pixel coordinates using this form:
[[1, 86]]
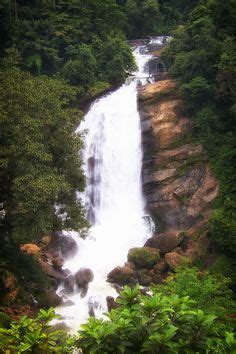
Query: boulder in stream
[[122, 275], [83, 277]]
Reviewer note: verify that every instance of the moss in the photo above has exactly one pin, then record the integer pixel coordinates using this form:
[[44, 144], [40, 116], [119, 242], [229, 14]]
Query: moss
[[144, 257]]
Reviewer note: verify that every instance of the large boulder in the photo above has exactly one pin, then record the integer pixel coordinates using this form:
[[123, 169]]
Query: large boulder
[[122, 275], [49, 299], [175, 260], [166, 241], [30, 248], [51, 271], [144, 257], [83, 277], [62, 244]]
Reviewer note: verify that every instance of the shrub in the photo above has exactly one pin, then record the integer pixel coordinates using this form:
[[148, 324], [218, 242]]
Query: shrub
[[155, 324]]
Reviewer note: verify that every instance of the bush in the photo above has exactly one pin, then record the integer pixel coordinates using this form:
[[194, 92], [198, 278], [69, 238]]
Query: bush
[[211, 293], [155, 324], [33, 336]]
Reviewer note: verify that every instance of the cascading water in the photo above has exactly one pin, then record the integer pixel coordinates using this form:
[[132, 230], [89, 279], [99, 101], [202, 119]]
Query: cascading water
[[113, 196]]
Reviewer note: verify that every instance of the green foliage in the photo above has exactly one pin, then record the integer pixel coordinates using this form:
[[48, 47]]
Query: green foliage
[[202, 57], [39, 154], [155, 324], [152, 17], [69, 38], [34, 336], [211, 292], [81, 71], [5, 320], [196, 91]]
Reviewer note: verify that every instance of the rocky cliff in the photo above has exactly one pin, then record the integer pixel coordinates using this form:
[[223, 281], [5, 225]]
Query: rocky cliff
[[179, 188], [177, 180]]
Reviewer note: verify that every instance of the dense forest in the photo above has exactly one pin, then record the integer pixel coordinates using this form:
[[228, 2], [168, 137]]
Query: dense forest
[[54, 56]]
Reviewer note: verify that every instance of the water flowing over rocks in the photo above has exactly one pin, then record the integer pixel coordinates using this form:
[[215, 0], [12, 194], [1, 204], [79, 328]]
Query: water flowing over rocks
[[177, 182]]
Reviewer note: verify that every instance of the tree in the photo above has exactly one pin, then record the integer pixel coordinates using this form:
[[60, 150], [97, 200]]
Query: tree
[[40, 165], [81, 71]]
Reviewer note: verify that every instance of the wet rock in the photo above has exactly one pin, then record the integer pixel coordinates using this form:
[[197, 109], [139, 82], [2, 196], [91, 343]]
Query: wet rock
[[51, 271], [175, 260], [49, 299], [83, 277], [62, 244], [122, 275], [58, 261], [111, 303], [91, 311], [166, 241], [30, 248], [143, 257], [68, 303], [69, 283], [159, 175]]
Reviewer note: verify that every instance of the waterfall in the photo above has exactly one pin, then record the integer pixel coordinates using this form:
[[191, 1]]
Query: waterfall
[[113, 197]]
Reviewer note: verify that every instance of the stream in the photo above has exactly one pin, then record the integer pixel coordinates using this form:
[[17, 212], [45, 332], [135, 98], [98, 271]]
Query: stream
[[113, 196]]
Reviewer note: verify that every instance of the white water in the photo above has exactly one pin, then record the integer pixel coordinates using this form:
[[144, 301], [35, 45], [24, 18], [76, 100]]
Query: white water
[[113, 196]]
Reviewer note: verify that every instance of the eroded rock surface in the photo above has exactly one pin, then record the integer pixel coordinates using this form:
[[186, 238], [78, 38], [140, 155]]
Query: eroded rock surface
[[178, 185], [177, 181]]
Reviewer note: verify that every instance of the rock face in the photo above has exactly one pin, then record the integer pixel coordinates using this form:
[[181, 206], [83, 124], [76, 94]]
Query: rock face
[[179, 188], [177, 181], [83, 277]]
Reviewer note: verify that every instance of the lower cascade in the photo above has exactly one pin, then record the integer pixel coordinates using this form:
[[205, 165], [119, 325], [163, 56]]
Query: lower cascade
[[113, 198]]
